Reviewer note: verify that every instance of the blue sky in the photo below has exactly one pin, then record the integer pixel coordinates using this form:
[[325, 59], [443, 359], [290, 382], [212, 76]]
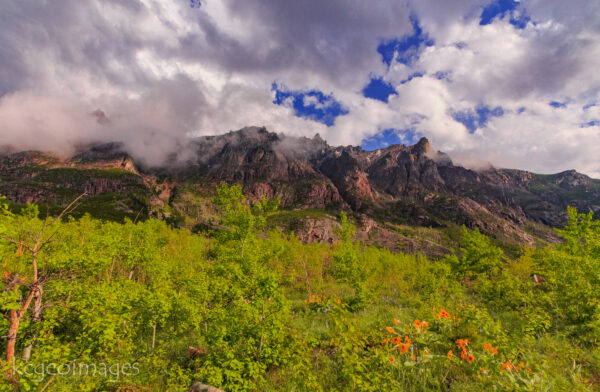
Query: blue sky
[[312, 104], [511, 83]]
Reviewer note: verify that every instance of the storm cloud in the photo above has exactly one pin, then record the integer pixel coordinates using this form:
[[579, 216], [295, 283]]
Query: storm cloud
[[153, 73]]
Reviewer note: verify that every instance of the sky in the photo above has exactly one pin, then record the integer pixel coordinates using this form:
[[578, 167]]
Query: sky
[[502, 82]]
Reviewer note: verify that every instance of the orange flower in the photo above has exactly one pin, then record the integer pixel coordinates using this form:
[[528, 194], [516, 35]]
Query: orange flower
[[463, 354], [389, 329], [414, 358], [305, 301], [470, 358], [312, 301], [418, 323], [403, 348], [407, 340], [461, 343], [385, 341], [507, 366], [318, 300], [396, 340], [443, 314], [449, 355], [425, 324], [339, 301], [519, 366], [392, 359], [425, 352], [482, 370], [396, 322]]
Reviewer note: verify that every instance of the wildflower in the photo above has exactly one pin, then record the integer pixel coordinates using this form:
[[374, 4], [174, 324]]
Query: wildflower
[[425, 352], [392, 359], [339, 301], [443, 314], [403, 348], [305, 301], [312, 301], [470, 358], [449, 355], [318, 300], [507, 366], [461, 343], [407, 340], [519, 366], [396, 340], [482, 370], [425, 324], [418, 323], [389, 329], [414, 358], [396, 322], [385, 341], [463, 354]]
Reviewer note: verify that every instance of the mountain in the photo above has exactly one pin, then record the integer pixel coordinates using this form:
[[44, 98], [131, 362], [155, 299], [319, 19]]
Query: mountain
[[403, 197]]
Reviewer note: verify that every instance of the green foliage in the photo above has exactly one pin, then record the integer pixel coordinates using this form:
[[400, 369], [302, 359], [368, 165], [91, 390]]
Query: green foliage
[[246, 310], [477, 255]]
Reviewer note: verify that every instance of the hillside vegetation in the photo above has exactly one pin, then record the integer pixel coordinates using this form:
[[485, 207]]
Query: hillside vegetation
[[146, 307]]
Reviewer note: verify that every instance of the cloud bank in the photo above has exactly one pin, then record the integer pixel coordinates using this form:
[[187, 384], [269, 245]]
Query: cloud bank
[[500, 81]]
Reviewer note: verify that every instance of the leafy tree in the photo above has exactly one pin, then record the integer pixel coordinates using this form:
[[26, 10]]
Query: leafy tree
[[476, 255], [348, 266]]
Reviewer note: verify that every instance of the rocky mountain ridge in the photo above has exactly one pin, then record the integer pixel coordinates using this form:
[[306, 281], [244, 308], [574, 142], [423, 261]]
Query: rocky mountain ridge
[[398, 185]]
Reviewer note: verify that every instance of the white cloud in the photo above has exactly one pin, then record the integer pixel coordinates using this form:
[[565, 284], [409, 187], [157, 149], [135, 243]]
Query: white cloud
[[163, 70]]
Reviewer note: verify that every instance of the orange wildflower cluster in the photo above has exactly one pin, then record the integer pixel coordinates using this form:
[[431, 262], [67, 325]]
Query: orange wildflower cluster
[[314, 299], [464, 354], [443, 314], [421, 325], [462, 343], [403, 345], [509, 367], [489, 348]]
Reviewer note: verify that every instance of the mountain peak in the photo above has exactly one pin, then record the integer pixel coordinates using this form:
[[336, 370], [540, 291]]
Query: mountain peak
[[422, 146]]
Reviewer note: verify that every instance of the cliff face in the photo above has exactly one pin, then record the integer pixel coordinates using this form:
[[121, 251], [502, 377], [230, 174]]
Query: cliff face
[[400, 184]]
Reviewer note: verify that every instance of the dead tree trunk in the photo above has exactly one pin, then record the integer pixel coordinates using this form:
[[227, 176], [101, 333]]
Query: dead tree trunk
[[36, 317]]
